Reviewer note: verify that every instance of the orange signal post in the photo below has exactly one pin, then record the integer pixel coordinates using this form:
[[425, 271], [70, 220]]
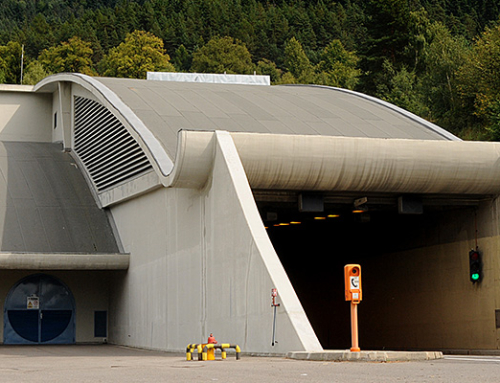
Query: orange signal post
[[354, 294]]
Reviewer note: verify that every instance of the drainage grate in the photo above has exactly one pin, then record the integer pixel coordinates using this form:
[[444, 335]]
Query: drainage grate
[[105, 147]]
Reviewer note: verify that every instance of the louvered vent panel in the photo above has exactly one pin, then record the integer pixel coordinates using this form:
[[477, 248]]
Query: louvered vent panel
[[108, 151]]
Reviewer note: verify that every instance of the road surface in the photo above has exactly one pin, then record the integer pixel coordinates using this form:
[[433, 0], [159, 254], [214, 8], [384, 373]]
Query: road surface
[[113, 364]]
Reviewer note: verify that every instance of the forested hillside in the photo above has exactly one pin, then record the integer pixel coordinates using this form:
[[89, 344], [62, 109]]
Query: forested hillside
[[437, 58]]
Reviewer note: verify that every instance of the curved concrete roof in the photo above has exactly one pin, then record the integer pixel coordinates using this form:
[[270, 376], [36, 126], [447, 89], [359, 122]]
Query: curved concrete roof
[[167, 107], [317, 122], [157, 110], [46, 205]]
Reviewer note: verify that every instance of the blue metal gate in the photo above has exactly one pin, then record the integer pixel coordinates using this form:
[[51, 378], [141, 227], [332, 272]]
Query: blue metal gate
[[39, 309]]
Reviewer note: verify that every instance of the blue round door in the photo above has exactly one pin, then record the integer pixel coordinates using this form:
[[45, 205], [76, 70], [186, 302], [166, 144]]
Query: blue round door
[[39, 309]]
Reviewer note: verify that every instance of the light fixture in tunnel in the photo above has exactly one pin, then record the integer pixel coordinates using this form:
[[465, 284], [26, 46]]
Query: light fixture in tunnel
[[311, 202], [360, 205], [319, 218], [284, 224], [333, 215], [295, 223]]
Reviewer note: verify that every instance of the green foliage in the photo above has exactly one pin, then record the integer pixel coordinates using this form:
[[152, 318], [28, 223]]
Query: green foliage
[[267, 67], [414, 53], [338, 67], [442, 57], [141, 52], [34, 73], [420, 33], [39, 35], [479, 79], [74, 56], [10, 63], [182, 59], [387, 37], [223, 55], [401, 88], [297, 63]]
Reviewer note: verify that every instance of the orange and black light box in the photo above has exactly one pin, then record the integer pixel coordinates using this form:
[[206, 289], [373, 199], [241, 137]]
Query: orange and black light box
[[352, 280]]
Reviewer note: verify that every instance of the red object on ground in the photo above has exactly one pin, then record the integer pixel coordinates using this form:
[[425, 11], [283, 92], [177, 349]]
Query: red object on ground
[[211, 339]]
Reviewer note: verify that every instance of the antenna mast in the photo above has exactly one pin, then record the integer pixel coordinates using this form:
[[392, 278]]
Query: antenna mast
[[22, 63]]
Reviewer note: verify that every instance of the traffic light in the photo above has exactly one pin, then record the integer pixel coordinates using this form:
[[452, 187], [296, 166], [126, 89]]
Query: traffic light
[[475, 266]]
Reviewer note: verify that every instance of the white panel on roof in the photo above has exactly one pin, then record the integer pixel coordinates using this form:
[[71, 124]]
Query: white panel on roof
[[210, 78]]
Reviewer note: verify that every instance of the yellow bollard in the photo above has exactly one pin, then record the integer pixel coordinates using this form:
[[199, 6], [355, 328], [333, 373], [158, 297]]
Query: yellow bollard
[[208, 351]]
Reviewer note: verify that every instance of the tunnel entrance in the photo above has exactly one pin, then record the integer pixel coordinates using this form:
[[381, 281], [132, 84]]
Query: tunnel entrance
[[314, 247]]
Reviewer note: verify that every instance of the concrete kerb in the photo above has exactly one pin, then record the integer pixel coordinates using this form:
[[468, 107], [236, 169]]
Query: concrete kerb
[[365, 356]]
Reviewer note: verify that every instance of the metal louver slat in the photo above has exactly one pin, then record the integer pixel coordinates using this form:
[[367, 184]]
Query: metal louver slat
[[89, 147], [117, 166], [114, 156], [87, 118], [101, 118], [109, 153], [121, 169], [138, 170]]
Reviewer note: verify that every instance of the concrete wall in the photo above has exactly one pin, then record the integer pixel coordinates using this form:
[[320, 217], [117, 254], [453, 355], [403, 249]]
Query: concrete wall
[[158, 303], [25, 116], [201, 263], [90, 290]]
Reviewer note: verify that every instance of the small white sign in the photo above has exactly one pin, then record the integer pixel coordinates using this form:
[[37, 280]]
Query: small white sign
[[355, 295], [354, 283], [33, 303]]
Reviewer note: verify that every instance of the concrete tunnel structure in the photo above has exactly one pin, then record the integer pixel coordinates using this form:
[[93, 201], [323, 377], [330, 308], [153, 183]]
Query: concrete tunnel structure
[[147, 213]]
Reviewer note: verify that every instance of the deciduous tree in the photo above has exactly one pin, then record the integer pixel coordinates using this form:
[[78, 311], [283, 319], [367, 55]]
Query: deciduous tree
[[10, 63], [74, 56], [223, 55], [297, 63], [442, 56], [480, 80], [338, 67], [34, 73], [141, 52]]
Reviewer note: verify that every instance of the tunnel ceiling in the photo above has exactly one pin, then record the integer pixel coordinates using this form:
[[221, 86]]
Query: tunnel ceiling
[[284, 207]]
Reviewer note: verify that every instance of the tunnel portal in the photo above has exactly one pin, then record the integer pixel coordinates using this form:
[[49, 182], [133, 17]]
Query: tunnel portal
[[392, 249]]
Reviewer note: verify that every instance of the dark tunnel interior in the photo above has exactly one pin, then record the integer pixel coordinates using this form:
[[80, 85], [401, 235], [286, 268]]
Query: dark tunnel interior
[[315, 247]]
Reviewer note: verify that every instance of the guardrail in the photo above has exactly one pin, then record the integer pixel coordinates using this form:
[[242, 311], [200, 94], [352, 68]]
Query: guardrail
[[203, 350]]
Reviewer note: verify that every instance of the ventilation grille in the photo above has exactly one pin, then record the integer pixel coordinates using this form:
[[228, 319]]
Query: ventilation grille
[[108, 151]]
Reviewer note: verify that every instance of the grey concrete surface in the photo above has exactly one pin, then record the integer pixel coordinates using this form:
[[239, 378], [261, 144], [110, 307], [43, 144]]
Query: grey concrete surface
[[113, 364], [365, 356]]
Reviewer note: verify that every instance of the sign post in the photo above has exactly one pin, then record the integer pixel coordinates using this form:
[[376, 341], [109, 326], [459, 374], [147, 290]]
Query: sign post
[[353, 293]]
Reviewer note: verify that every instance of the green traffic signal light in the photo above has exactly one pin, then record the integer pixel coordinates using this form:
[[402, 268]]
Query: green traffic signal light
[[475, 266]]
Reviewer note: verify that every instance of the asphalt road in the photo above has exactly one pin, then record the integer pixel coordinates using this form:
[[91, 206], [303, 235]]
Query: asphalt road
[[112, 364]]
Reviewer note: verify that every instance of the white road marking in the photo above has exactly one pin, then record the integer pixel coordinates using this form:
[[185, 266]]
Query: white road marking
[[478, 359]]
